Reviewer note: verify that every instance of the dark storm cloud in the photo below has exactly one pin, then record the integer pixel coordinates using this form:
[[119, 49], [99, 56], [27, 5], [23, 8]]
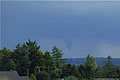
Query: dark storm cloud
[[76, 27]]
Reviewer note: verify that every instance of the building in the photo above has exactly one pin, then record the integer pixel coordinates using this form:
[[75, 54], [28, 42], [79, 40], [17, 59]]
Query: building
[[11, 75]]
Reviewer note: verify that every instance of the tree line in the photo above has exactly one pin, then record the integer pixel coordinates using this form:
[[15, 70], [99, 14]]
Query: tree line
[[51, 65]]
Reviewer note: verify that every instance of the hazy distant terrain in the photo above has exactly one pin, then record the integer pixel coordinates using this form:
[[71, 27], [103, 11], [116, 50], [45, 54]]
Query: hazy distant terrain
[[99, 61]]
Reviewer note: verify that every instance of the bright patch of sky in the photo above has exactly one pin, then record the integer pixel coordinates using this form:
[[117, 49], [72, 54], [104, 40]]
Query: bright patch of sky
[[76, 27]]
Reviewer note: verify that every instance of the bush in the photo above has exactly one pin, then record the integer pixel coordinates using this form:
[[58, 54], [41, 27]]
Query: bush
[[71, 78], [32, 77], [56, 74], [42, 75]]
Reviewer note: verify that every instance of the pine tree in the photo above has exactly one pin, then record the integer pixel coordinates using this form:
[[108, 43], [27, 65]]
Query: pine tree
[[57, 56], [33, 50], [109, 68], [21, 58], [6, 61], [49, 62], [99, 72], [90, 66]]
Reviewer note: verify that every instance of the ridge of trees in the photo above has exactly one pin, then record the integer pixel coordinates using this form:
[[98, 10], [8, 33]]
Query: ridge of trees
[[52, 65]]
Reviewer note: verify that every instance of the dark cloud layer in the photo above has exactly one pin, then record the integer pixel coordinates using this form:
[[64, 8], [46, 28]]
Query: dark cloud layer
[[76, 27]]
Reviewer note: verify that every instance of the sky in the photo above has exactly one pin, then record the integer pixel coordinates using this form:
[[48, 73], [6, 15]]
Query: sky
[[76, 27], [0, 25]]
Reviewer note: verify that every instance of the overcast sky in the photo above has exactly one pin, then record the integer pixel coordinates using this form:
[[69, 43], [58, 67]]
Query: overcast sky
[[76, 27]]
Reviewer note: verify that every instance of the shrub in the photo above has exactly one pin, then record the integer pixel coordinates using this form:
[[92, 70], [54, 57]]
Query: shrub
[[32, 77], [42, 75], [71, 78]]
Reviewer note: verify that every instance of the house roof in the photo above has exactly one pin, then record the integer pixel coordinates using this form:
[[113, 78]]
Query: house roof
[[11, 75]]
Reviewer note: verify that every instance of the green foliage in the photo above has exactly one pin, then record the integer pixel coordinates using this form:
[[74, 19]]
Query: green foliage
[[32, 77], [49, 62], [21, 58], [38, 60], [67, 70], [81, 70], [6, 61], [71, 78], [42, 76], [56, 74], [75, 71], [109, 68], [57, 55], [51, 67], [118, 72], [99, 72], [90, 66], [33, 50]]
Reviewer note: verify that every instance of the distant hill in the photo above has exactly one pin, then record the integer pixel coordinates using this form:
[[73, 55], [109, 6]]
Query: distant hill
[[99, 61]]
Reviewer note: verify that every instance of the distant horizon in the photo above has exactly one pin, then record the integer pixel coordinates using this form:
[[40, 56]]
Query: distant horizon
[[71, 57]]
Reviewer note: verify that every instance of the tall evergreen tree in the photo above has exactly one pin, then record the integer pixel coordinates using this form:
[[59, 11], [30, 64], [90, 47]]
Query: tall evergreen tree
[[21, 58], [38, 61], [99, 72], [33, 50], [90, 66], [75, 71], [67, 70], [49, 62], [6, 61], [109, 68], [57, 56], [81, 70]]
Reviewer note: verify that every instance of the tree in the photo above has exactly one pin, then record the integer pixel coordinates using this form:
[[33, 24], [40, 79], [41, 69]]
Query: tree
[[49, 62], [109, 68], [21, 58], [74, 71], [99, 72], [81, 70], [33, 50], [57, 56], [43, 75], [56, 74], [118, 72], [67, 70], [38, 60], [90, 66], [6, 61]]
